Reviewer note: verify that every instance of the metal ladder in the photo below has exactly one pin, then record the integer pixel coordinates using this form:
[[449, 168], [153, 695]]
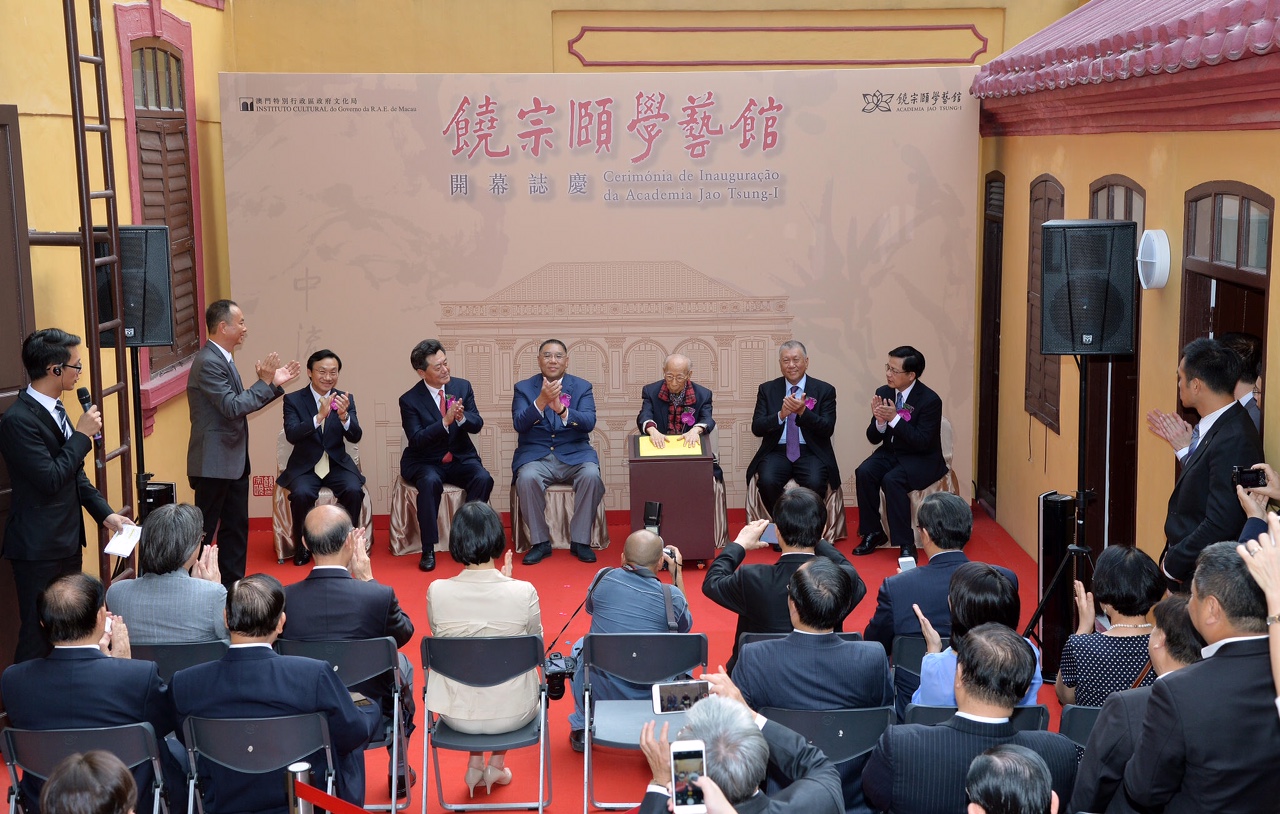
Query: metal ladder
[[105, 233]]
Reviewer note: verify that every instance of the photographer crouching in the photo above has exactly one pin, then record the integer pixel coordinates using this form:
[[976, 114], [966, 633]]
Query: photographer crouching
[[630, 599]]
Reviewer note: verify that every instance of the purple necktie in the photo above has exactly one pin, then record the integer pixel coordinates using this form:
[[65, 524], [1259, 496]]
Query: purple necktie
[[793, 435]]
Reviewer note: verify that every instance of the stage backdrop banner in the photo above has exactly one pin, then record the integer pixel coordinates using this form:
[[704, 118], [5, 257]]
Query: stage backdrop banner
[[630, 215]]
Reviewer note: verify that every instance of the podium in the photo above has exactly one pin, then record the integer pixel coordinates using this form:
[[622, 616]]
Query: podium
[[684, 485]]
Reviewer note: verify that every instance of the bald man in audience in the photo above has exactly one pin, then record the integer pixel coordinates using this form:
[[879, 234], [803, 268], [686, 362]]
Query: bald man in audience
[[630, 599]]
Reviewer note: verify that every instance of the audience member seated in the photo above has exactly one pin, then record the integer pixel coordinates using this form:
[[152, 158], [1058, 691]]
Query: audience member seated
[[979, 594], [1210, 740], [758, 593], [1264, 566], [92, 783], [922, 769], [167, 604], [946, 521], [630, 599], [1010, 779], [253, 681], [483, 601], [1173, 643], [340, 601], [88, 680], [1126, 583], [812, 668], [740, 748]]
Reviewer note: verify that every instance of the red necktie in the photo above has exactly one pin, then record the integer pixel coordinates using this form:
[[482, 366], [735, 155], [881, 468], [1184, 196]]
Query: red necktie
[[448, 456]]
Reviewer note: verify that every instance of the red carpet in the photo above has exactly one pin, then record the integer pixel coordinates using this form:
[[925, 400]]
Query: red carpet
[[561, 582]]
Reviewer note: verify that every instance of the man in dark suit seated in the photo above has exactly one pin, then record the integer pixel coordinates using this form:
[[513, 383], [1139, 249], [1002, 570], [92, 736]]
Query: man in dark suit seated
[[318, 421], [1174, 644], [946, 522], [554, 414], [794, 419], [676, 406], [340, 601], [45, 457], [922, 769], [252, 681], [906, 429], [739, 751], [1204, 507], [1010, 779], [758, 593], [439, 417], [1210, 739], [88, 680], [813, 668]]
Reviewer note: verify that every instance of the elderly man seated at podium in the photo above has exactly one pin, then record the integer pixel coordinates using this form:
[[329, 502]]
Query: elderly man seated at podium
[[676, 406]]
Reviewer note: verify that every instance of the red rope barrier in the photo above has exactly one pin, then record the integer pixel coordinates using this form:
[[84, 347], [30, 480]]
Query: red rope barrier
[[328, 802]]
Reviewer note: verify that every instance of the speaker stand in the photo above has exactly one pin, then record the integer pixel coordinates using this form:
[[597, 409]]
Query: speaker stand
[[1077, 550]]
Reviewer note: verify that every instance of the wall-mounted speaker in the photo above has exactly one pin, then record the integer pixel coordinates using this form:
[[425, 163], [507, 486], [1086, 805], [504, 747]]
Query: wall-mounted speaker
[[1088, 285], [148, 307]]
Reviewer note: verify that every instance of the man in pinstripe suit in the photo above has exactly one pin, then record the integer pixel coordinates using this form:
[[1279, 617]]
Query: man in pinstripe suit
[[922, 769]]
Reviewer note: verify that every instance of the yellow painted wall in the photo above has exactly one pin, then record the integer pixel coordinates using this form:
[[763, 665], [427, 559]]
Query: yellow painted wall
[[1166, 165]]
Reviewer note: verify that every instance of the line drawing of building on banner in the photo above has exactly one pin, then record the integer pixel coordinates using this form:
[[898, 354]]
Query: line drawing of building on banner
[[621, 321]]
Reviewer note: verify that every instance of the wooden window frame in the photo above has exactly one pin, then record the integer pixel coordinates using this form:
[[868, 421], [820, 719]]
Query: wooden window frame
[[1238, 272], [160, 27], [1035, 401]]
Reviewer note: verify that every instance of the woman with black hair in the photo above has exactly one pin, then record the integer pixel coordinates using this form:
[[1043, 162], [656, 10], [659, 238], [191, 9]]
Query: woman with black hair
[[978, 594], [1126, 583], [483, 600]]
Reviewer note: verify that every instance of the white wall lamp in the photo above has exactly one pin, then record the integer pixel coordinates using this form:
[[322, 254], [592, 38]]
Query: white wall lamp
[[1153, 259]]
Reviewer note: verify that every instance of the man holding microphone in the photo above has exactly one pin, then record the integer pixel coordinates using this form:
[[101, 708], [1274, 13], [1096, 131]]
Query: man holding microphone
[[44, 453]]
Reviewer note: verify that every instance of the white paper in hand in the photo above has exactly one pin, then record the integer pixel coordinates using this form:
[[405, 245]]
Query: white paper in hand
[[124, 541]]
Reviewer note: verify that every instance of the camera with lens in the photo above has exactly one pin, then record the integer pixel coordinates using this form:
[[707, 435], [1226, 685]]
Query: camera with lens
[[555, 670]]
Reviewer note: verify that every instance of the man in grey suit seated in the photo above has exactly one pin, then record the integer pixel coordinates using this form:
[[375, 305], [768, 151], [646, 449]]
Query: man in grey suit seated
[[166, 603], [922, 769], [740, 746]]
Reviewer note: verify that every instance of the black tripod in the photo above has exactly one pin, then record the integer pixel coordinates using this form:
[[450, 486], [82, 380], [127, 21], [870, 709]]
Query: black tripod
[[1077, 550]]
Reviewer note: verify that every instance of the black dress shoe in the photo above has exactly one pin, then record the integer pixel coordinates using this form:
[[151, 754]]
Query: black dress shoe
[[301, 556], [907, 551], [537, 554], [870, 542], [583, 552], [402, 785], [427, 562], [577, 739], [777, 548]]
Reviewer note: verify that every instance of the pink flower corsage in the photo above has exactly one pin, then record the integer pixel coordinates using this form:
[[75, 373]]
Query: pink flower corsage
[[686, 418], [905, 412], [564, 399], [449, 401], [810, 403]]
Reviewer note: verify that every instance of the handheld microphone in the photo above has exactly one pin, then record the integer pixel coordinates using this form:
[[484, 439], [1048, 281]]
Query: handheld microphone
[[86, 402]]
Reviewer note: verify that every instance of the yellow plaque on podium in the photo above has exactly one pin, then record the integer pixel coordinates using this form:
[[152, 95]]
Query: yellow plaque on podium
[[675, 448]]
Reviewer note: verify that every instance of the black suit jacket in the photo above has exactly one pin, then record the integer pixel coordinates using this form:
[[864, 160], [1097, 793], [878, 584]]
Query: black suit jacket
[[817, 425], [921, 769], [1203, 508], [310, 442], [816, 671], [76, 688], [758, 593], [49, 484], [331, 605], [1098, 785], [255, 682], [814, 786], [915, 443], [429, 439], [1210, 740], [926, 586]]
